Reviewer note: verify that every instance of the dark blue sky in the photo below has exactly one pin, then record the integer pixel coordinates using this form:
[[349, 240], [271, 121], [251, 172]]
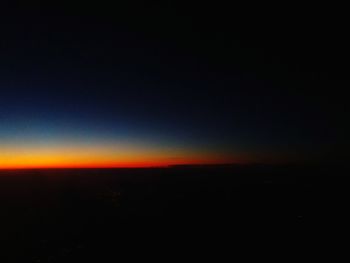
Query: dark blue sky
[[203, 77]]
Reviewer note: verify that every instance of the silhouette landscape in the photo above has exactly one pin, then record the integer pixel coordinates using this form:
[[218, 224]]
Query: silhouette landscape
[[65, 215]]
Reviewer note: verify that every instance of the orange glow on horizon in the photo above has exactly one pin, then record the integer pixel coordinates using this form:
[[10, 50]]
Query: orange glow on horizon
[[130, 164], [102, 156]]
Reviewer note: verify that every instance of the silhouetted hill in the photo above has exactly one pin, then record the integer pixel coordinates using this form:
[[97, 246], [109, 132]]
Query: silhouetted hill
[[94, 215]]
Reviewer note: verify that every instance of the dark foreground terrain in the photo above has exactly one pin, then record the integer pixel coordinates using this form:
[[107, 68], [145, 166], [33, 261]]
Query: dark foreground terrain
[[178, 213]]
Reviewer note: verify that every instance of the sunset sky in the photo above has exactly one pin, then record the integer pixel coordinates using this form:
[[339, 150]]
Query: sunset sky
[[156, 86], [92, 153]]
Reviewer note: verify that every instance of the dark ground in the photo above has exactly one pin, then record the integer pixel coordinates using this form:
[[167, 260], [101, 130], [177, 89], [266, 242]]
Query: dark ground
[[181, 213]]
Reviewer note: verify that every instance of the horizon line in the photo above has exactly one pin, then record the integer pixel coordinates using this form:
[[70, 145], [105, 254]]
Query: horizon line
[[152, 166], [119, 167]]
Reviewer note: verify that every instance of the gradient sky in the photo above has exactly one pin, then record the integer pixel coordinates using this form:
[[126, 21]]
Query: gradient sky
[[163, 84]]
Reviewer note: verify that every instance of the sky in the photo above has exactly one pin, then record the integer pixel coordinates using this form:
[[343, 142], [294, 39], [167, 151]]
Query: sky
[[169, 83]]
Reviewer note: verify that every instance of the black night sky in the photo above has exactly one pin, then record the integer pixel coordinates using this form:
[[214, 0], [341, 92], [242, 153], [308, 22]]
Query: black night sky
[[178, 82]]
